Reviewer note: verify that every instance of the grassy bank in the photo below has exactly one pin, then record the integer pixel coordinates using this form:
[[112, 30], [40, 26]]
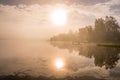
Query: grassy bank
[[109, 44]]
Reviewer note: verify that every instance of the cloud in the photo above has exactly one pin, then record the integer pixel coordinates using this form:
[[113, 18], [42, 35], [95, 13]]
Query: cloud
[[96, 72], [115, 73], [30, 2], [116, 9], [99, 73], [24, 21], [89, 2], [32, 21]]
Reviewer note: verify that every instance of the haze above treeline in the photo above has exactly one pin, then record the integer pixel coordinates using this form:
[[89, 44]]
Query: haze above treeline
[[104, 30]]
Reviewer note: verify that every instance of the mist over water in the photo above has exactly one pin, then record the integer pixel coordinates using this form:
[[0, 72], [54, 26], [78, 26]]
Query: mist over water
[[83, 39], [37, 57]]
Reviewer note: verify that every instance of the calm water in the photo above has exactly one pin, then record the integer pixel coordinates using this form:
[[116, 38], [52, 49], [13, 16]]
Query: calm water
[[38, 57]]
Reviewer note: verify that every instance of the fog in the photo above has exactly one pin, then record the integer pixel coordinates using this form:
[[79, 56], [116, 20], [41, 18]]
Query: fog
[[33, 21]]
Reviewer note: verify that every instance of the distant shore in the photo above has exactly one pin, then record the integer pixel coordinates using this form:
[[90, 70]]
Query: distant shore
[[109, 44]]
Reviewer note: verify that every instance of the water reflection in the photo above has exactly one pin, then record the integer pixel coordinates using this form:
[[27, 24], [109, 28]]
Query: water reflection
[[103, 56], [35, 58]]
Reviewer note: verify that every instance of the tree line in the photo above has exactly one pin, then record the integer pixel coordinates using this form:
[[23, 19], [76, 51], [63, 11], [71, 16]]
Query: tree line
[[104, 30]]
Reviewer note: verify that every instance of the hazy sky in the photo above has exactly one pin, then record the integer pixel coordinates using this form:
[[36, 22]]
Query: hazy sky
[[29, 19]]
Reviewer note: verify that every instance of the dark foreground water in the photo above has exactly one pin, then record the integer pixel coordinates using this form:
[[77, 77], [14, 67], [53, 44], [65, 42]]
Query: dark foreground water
[[36, 58]]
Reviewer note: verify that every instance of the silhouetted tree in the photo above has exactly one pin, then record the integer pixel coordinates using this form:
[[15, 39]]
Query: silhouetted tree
[[105, 30]]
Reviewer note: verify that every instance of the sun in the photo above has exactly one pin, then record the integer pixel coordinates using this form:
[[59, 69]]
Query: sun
[[59, 17], [59, 63]]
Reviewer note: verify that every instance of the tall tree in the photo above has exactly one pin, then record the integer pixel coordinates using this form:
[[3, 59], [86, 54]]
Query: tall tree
[[111, 24]]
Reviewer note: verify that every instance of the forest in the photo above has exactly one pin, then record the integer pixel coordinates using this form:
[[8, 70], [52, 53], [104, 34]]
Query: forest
[[105, 30]]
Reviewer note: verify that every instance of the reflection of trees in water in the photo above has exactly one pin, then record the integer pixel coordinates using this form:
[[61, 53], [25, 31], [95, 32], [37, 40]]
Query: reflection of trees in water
[[104, 56]]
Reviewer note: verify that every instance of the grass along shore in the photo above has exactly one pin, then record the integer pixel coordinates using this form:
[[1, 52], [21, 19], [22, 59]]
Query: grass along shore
[[109, 44]]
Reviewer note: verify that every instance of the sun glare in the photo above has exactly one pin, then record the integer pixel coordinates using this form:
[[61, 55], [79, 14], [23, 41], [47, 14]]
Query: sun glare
[[59, 63], [59, 16]]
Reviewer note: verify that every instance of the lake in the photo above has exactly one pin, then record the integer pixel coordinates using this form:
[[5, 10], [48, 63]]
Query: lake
[[38, 57]]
